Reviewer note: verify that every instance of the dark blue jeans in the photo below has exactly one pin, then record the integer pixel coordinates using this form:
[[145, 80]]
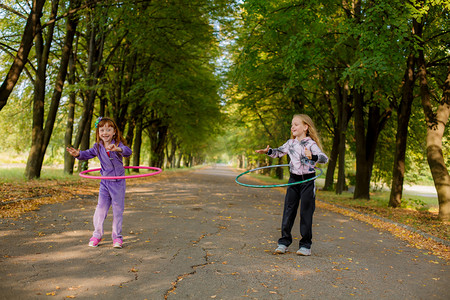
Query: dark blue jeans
[[305, 195]]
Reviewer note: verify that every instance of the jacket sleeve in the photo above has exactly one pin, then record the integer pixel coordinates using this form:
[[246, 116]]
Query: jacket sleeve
[[280, 151], [126, 151], [317, 155], [88, 154]]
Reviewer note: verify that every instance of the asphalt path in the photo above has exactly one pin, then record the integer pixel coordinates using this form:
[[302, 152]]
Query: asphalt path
[[199, 235]]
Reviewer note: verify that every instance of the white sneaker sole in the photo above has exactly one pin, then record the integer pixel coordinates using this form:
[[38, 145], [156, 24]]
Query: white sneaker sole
[[279, 251]]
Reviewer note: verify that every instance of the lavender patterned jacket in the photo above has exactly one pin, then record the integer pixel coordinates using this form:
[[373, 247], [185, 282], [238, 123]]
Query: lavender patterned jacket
[[299, 163], [111, 165]]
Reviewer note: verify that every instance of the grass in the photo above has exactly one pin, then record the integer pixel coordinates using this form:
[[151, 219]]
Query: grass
[[17, 174]]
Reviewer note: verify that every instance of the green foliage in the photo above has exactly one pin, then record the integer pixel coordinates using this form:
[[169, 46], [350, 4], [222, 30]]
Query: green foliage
[[288, 57], [415, 203], [15, 121], [16, 174], [158, 59], [162, 61]]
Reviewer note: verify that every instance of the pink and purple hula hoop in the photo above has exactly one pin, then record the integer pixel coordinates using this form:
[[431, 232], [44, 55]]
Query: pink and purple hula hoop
[[158, 170]]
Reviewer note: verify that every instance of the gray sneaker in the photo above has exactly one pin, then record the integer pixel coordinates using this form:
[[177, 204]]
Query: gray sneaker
[[304, 251], [281, 249]]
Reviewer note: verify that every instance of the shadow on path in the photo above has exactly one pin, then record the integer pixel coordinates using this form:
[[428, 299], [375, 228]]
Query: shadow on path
[[202, 236]]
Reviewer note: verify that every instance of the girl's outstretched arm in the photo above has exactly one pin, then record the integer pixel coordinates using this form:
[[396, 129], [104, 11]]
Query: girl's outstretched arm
[[263, 151], [72, 151]]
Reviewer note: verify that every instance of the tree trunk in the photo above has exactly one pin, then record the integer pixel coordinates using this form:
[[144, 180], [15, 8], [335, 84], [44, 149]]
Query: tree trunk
[[34, 163], [186, 160], [31, 27], [93, 73], [69, 159], [403, 116], [332, 162], [342, 123], [279, 172], [366, 143], [362, 168], [102, 106], [129, 139], [171, 153], [84, 142], [436, 120], [158, 141], [71, 26], [180, 156], [36, 157], [137, 143]]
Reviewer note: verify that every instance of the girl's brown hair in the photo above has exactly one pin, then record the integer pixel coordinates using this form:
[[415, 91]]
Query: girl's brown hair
[[312, 131], [117, 136]]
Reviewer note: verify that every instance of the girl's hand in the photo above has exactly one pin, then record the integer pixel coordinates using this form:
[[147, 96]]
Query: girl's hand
[[114, 148], [263, 151], [72, 151], [308, 153]]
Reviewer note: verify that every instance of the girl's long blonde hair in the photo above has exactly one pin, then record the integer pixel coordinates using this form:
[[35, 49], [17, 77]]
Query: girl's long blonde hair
[[312, 131]]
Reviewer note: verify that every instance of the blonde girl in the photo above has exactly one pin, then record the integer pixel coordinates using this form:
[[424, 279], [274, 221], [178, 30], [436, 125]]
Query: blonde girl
[[305, 151]]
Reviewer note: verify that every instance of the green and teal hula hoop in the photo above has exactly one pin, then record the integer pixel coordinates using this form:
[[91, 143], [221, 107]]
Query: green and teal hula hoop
[[274, 185]]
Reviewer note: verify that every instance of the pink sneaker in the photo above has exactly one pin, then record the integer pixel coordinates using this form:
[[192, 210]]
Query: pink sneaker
[[93, 242], [117, 243]]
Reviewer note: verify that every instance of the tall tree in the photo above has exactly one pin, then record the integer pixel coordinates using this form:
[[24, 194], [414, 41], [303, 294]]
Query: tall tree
[[436, 108], [31, 28], [43, 45], [403, 116], [42, 135], [69, 159]]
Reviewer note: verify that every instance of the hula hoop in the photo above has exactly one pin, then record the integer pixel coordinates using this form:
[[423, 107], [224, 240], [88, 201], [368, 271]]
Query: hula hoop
[[274, 185], [158, 170]]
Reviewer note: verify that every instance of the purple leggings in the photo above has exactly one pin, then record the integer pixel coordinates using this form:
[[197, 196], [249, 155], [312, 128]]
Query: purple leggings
[[111, 193]]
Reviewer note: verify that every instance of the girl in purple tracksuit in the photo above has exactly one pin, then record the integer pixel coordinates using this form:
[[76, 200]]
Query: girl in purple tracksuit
[[304, 150], [110, 149]]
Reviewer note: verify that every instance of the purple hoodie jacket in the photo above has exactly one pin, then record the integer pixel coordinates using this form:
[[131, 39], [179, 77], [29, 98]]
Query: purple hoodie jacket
[[111, 165]]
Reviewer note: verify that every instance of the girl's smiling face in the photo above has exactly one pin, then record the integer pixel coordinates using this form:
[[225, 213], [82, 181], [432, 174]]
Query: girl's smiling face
[[298, 128], [106, 133]]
